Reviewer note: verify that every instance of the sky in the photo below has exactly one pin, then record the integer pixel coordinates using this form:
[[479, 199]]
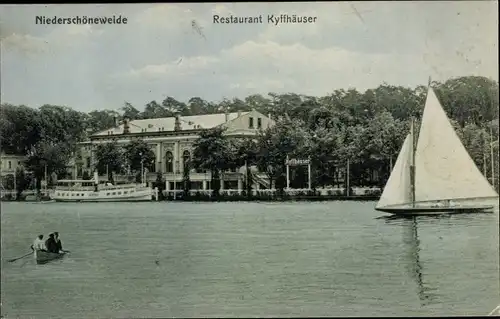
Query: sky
[[177, 50]]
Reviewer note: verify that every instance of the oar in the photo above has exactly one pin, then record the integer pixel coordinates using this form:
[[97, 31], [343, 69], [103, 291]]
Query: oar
[[12, 260]]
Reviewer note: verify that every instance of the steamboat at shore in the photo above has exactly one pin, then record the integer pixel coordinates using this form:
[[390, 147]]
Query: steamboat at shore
[[93, 191]]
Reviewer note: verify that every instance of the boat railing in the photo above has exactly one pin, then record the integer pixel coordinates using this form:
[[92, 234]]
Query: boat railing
[[75, 188], [101, 187], [110, 187]]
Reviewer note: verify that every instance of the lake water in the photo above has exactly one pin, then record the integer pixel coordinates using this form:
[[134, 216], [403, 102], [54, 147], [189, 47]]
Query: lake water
[[165, 259]]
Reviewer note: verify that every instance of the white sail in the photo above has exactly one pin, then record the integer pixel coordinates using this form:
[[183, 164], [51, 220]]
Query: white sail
[[444, 169], [397, 189]]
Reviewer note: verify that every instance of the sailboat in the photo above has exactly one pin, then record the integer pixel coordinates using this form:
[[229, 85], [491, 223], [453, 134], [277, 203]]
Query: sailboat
[[436, 175]]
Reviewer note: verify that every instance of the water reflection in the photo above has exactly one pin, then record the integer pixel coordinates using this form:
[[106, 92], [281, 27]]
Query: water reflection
[[414, 265]]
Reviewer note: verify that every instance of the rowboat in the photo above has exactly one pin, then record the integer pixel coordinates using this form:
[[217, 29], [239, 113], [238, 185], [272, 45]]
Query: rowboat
[[43, 257]]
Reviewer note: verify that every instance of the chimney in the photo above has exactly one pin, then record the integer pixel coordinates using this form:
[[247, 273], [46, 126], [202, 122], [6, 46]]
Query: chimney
[[115, 120], [126, 126], [227, 116], [177, 125], [239, 113]]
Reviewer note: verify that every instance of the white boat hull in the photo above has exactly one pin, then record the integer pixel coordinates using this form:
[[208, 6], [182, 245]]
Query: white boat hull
[[131, 194]]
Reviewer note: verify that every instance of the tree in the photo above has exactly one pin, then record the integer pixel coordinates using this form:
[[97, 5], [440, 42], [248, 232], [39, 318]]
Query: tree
[[470, 99], [60, 124], [275, 143], [21, 182], [154, 110], [100, 120], [321, 151], [48, 157], [173, 107], [160, 184], [9, 182], [130, 112], [86, 176], [244, 153], [19, 127], [138, 154], [366, 128], [109, 159], [197, 106], [211, 151], [260, 104]]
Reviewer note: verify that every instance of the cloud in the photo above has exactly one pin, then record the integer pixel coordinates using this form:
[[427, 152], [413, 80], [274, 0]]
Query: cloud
[[168, 17], [181, 67], [222, 10], [161, 52], [257, 66], [264, 66], [61, 37]]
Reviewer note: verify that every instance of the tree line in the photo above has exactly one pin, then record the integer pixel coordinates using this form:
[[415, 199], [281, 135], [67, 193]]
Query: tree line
[[366, 128]]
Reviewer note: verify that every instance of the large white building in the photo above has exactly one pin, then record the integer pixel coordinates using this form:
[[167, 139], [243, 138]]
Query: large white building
[[171, 139], [8, 165]]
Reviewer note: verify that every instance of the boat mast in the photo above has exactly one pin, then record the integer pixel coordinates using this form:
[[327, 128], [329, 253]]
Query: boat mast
[[492, 158], [413, 151], [412, 164]]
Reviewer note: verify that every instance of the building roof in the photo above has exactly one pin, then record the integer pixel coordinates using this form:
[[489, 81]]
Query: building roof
[[193, 122]]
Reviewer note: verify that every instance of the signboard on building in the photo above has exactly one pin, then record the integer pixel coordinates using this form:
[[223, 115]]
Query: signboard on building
[[297, 162]]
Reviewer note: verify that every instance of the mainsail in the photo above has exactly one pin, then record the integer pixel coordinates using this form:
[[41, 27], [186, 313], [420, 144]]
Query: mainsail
[[444, 168], [397, 189]]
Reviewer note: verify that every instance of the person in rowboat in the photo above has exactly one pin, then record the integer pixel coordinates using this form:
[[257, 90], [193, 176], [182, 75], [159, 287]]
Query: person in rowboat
[[39, 244], [51, 244], [58, 242]]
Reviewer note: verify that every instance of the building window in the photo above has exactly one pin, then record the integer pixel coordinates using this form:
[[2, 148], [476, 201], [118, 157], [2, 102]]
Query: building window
[[169, 162], [259, 123], [186, 158], [10, 165], [250, 122], [18, 163]]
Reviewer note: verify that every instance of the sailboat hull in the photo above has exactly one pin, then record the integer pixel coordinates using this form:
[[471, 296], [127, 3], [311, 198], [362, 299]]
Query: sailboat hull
[[412, 211]]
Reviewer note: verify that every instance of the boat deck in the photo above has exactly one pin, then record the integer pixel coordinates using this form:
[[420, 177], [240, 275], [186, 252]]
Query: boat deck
[[427, 210]]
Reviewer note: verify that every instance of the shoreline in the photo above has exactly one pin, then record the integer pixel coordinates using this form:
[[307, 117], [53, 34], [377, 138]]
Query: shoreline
[[241, 198], [289, 198]]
